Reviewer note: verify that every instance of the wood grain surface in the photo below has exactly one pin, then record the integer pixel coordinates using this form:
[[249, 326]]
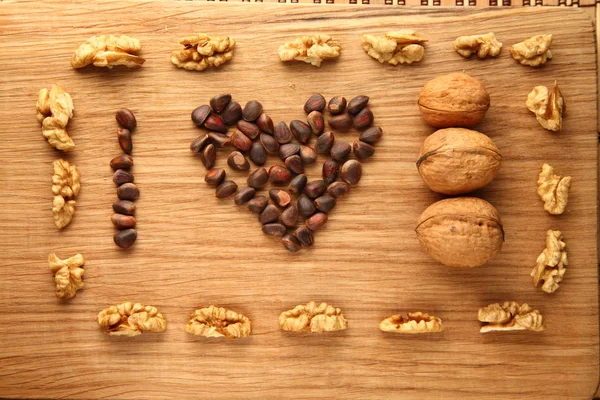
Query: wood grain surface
[[194, 249]]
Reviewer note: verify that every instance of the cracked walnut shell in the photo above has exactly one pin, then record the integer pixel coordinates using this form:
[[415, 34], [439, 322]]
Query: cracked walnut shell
[[510, 316], [218, 322], [128, 319], [68, 275], [453, 100], [534, 51], [313, 318], [482, 45], [548, 106], [416, 322], [398, 47], [202, 51], [461, 231], [551, 263], [54, 110], [457, 160], [553, 190], [310, 49], [108, 51], [65, 181]]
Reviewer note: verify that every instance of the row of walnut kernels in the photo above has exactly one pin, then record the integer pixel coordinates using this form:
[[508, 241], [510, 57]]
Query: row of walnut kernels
[[467, 231], [201, 51], [129, 319]]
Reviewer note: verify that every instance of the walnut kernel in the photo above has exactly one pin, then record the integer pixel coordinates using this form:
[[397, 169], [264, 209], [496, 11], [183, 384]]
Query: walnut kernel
[[218, 322], [482, 45], [553, 189], [65, 181], [128, 319], [416, 322], [54, 109], [201, 51], [398, 47], [63, 211], [510, 316], [313, 318], [548, 106], [310, 49], [551, 263], [68, 275], [534, 51], [108, 51]]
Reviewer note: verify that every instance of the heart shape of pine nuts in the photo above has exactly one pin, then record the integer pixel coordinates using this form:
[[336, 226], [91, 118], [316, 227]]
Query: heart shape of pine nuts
[[291, 208]]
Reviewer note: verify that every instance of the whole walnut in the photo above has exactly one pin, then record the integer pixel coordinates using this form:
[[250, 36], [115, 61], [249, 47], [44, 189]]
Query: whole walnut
[[461, 231], [458, 160], [456, 99]]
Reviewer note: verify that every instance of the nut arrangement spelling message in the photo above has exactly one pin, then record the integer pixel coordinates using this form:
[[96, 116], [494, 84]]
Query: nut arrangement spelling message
[[290, 206]]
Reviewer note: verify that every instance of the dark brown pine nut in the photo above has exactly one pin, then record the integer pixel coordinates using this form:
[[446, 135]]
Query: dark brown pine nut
[[301, 130], [121, 221], [237, 161], [371, 135], [215, 123], [258, 154], [316, 102], [279, 174], [126, 119], [297, 184], [219, 102], [287, 150], [208, 156], [125, 238], [362, 150], [325, 203], [124, 207], [258, 204], [258, 178], [314, 189], [124, 138], [269, 143], [289, 216], [248, 128], [122, 161], [232, 113], [282, 133], [280, 197], [241, 141], [331, 169], [308, 155], [200, 114], [128, 191], [341, 122], [363, 119], [244, 195], [252, 110], [219, 139], [274, 229], [291, 243], [325, 142], [351, 172], [305, 205], [304, 235], [215, 176], [199, 144], [121, 176], [316, 221], [269, 214], [340, 151], [294, 164], [265, 124], [357, 104], [338, 189], [316, 122], [226, 189], [337, 105]]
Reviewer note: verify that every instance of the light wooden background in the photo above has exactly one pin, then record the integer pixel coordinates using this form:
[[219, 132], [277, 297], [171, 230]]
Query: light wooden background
[[196, 250]]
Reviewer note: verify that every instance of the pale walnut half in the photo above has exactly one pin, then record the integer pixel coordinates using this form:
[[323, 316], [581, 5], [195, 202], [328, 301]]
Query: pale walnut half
[[313, 318], [218, 322], [68, 275], [54, 110], [108, 51], [201, 51], [129, 319], [534, 51], [414, 322], [483, 45], [551, 263], [63, 211], [548, 106], [310, 49], [510, 316], [65, 181], [397, 47], [553, 189]]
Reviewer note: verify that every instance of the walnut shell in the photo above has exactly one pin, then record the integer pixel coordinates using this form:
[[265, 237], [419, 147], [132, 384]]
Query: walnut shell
[[456, 99], [461, 232], [457, 160]]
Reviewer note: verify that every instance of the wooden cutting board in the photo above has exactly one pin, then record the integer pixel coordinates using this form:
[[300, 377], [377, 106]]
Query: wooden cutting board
[[194, 249]]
